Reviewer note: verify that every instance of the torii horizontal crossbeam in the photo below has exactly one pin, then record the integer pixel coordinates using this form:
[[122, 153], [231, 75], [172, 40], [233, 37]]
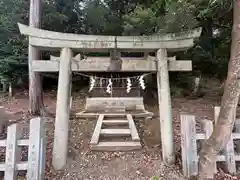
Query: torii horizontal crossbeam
[[54, 41], [104, 64]]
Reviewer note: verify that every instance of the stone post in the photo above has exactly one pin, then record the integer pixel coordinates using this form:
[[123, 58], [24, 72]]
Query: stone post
[[60, 146], [165, 107]]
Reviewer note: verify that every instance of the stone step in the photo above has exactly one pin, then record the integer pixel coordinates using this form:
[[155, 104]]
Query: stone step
[[115, 122], [116, 146], [120, 132]]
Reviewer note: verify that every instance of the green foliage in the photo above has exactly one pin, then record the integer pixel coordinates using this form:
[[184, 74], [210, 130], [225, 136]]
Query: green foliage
[[12, 46], [155, 178], [130, 17], [163, 16], [141, 21], [95, 17]]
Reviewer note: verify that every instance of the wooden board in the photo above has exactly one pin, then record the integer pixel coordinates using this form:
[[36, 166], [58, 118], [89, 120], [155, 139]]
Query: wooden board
[[120, 132], [138, 115], [189, 145], [116, 146], [208, 129], [133, 129], [115, 122], [97, 130], [12, 151], [229, 148], [35, 165], [35, 156]]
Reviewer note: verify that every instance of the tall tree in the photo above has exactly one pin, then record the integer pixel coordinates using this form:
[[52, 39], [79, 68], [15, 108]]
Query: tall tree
[[13, 54], [36, 105], [95, 17], [63, 14], [223, 128]]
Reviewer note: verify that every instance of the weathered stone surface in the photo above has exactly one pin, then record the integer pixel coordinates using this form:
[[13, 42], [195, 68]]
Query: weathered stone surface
[[98, 64], [55, 40], [165, 107], [101, 103], [60, 145]]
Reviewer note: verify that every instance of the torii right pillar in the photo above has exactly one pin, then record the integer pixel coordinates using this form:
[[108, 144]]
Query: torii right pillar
[[165, 107]]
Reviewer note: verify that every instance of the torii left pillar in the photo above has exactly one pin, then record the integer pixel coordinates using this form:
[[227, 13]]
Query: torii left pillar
[[165, 107], [60, 146]]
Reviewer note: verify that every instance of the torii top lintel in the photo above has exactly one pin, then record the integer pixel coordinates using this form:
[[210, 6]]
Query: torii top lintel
[[55, 41]]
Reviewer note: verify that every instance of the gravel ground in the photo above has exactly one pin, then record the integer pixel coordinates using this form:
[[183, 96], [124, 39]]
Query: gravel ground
[[84, 164], [144, 164]]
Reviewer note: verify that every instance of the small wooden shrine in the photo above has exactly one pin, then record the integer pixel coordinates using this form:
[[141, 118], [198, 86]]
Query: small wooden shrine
[[103, 107]]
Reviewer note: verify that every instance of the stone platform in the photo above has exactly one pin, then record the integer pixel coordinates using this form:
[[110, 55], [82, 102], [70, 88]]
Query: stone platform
[[115, 105]]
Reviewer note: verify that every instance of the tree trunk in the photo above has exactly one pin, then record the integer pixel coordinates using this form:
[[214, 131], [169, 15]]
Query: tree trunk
[[36, 105], [10, 93], [223, 128]]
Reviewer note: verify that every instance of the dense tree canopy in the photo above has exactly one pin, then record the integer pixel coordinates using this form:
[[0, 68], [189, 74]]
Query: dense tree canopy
[[128, 17]]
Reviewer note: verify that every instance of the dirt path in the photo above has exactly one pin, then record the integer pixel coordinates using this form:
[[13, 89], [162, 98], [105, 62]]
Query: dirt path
[[140, 165]]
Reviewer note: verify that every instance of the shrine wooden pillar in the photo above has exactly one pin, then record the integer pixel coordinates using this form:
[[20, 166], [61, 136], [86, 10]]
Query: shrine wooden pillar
[[60, 146], [165, 107]]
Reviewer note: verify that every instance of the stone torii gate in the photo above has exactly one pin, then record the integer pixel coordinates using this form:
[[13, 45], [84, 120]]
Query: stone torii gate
[[67, 43]]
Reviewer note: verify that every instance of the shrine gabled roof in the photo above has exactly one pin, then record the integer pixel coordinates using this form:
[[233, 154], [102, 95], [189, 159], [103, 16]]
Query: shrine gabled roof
[[55, 40]]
